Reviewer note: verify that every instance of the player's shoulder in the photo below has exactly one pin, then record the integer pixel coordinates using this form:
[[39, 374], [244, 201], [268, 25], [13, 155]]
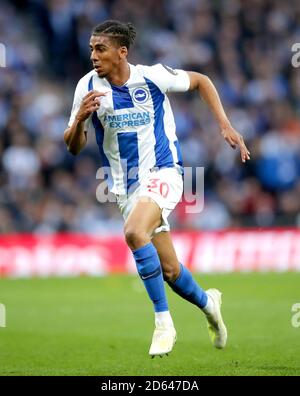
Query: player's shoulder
[[149, 69], [163, 76]]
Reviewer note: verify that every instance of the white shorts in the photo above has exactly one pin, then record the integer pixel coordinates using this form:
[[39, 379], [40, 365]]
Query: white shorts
[[164, 186]]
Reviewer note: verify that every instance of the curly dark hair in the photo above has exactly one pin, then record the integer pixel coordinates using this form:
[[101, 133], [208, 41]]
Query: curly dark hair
[[122, 33]]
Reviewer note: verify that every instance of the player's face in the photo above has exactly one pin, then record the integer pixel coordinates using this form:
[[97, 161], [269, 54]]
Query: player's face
[[106, 55]]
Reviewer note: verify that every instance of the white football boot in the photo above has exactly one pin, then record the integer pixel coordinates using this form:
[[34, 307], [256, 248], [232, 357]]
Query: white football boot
[[216, 328], [163, 340]]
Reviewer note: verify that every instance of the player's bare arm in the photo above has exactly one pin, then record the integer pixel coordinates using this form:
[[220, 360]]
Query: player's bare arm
[[209, 93], [75, 136]]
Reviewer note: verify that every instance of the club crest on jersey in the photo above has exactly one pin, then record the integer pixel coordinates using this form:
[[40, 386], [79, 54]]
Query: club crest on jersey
[[140, 95]]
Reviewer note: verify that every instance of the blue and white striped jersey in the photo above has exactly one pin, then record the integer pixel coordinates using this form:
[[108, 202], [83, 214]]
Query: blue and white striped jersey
[[134, 126]]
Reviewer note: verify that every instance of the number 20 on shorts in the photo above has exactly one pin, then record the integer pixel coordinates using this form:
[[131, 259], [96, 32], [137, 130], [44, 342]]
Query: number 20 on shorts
[[158, 187]]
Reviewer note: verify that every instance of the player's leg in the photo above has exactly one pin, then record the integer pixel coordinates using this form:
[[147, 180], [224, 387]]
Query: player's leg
[[144, 218], [175, 274], [182, 282]]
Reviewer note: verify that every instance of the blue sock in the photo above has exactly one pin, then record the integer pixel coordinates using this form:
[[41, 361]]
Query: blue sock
[[186, 287], [149, 269]]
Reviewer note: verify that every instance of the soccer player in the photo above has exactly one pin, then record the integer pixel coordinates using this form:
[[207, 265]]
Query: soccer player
[[128, 108]]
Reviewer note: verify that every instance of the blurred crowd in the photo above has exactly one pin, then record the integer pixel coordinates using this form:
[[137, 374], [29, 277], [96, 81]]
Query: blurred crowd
[[244, 46]]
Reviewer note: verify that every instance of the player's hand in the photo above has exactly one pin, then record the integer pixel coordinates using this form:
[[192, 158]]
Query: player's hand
[[89, 104], [233, 138]]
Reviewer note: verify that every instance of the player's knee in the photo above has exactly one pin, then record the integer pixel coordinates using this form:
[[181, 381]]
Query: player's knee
[[134, 237], [170, 274]]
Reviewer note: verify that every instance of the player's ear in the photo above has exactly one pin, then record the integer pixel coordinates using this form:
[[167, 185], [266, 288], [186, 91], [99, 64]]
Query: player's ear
[[123, 52]]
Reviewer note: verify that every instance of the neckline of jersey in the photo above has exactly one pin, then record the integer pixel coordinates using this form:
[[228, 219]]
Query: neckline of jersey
[[129, 78]]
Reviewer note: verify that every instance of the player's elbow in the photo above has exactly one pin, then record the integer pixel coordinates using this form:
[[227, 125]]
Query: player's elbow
[[203, 81], [67, 137], [73, 150], [71, 147], [198, 80]]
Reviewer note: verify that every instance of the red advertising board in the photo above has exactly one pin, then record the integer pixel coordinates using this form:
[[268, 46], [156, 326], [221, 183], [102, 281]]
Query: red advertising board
[[204, 252]]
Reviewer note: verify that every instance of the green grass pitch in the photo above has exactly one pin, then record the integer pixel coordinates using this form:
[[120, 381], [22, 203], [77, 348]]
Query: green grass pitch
[[103, 326]]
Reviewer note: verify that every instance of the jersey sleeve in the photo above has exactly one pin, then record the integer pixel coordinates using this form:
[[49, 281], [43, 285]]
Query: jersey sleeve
[[168, 79], [80, 91]]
